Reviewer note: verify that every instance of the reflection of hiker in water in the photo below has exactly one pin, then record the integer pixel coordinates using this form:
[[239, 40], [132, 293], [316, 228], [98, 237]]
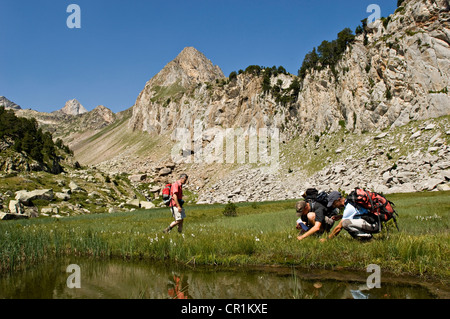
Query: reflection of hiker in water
[[177, 287]]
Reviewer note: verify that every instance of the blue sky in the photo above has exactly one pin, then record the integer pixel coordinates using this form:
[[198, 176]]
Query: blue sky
[[123, 44]]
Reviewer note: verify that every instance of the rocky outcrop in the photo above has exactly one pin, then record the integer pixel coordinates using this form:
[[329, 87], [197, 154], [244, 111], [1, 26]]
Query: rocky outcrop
[[154, 108], [395, 72], [27, 198], [400, 74], [18, 162], [73, 107], [8, 104]]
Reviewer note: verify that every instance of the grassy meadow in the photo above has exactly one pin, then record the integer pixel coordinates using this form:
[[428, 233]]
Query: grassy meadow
[[261, 234]]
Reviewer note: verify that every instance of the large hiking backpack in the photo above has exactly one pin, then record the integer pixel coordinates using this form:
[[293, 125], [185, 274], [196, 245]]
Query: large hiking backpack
[[312, 196], [377, 205], [167, 194]]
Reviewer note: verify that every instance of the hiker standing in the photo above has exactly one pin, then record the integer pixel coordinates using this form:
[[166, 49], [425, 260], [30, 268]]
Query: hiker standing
[[318, 220], [176, 204]]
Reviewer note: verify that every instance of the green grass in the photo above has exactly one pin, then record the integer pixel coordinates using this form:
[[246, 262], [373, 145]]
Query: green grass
[[261, 234]]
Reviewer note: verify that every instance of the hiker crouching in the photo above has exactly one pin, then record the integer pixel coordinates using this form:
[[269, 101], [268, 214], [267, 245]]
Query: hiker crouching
[[357, 222], [176, 204], [318, 219]]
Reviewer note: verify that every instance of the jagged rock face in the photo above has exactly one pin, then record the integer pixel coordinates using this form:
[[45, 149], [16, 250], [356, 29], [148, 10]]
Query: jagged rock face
[[73, 107], [401, 74], [99, 117], [189, 68], [8, 104]]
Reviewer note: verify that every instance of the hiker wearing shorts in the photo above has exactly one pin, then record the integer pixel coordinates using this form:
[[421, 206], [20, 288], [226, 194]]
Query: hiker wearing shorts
[[355, 223], [318, 222], [176, 204]]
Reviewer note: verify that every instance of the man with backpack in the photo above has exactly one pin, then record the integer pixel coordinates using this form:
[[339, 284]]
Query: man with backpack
[[364, 213], [354, 223], [176, 204], [318, 213]]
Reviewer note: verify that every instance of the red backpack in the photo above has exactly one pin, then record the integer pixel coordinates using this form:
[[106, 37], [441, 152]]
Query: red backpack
[[167, 194], [377, 204]]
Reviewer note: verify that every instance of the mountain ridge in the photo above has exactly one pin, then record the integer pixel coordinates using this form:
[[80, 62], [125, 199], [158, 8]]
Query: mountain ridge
[[394, 72], [394, 75]]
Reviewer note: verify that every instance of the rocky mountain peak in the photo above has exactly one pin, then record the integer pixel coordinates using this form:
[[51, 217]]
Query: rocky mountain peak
[[8, 104], [104, 113], [73, 107], [189, 67]]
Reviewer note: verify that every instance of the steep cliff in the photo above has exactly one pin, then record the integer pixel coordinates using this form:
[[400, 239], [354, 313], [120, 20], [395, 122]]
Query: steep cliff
[[396, 71], [155, 107]]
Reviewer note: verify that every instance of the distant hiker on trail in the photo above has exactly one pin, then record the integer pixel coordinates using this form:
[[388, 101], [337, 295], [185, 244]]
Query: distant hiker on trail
[[176, 204], [317, 217]]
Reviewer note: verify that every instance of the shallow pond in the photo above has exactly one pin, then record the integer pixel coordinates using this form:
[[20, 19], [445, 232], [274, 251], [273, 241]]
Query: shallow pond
[[101, 279]]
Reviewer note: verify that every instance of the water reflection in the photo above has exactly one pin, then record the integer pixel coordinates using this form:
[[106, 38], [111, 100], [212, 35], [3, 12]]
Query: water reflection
[[178, 287], [124, 280]]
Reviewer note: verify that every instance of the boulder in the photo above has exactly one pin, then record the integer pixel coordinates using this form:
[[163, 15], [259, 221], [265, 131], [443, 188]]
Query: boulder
[[74, 187], [62, 196], [26, 197], [147, 205], [137, 178], [430, 184], [165, 171], [50, 210], [31, 212], [155, 189], [405, 176], [134, 202], [171, 165], [443, 187], [405, 188], [16, 207], [381, 136], [435, 138]]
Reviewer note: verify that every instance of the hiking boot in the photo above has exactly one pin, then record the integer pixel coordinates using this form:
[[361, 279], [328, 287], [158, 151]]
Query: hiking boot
[[167, 230], [364, 237]]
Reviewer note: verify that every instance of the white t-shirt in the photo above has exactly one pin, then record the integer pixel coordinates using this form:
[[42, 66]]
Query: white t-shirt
[[352, 212]]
